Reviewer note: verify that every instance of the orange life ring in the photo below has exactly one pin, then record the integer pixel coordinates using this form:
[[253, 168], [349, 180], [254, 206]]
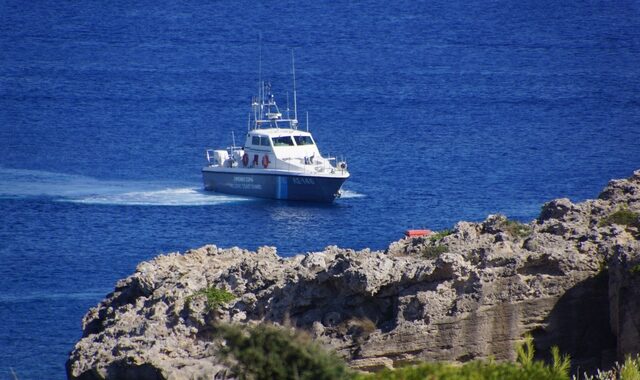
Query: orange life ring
[[245, 160], [265, 161]]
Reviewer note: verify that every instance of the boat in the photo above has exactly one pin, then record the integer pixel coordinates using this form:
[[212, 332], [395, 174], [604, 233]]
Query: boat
[[417, 233], [278, 160]]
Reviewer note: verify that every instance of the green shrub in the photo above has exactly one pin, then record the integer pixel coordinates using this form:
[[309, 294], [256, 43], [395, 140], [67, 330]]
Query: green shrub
[[630, 369], [475, 370], [525, 368], [634, 270], [357, 326], [270, 352], [215, 297], [515, 228], [623, 217], [363, 326], [439, 235], [433, 251], [561, 364], [525, 351]]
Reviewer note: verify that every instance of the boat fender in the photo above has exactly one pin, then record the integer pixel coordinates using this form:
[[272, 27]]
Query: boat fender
[[265, 161], [245, 160]]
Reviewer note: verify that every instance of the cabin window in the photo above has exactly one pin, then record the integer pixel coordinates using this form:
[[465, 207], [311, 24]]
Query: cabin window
[[255, 140], [283, 141], [264, 141], [303, 140]]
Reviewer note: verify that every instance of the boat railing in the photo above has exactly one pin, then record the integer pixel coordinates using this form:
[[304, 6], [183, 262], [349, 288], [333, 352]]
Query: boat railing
[[311, 168], [323, 165]]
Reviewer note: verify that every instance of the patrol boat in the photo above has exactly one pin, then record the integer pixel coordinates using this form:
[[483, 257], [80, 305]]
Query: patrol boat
[[278, 160]]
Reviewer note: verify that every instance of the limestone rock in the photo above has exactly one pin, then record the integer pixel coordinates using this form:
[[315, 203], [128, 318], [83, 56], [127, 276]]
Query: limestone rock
[[624, 295], [471, 293]]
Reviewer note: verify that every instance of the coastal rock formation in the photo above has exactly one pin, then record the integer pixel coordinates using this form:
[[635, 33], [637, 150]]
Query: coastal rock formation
[[624, 295], [570, 278]]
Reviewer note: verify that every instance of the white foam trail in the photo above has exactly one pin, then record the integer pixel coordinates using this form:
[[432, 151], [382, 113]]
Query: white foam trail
[[347, 194], [18, 183], [167, 197], [51, 296]]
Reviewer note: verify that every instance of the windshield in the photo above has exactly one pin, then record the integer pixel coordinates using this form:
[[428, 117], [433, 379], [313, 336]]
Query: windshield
[[260, 140], [303, 140], [282, 141]]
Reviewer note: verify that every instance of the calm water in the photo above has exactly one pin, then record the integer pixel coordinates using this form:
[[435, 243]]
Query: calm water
[[444, 111]]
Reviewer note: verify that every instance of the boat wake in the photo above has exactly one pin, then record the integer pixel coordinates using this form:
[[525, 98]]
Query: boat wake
[[39, 296], [347, 194], [180, 196], [19, 183]]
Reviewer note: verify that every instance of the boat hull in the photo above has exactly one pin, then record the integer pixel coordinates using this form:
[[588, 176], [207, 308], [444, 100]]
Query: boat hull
[[274, 186]]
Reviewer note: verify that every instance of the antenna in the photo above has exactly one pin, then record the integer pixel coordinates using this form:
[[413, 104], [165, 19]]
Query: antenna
[[307, 121], [295, 97], [260, 65], [260, 83], [255, 111], [233, 137], [288, 117]]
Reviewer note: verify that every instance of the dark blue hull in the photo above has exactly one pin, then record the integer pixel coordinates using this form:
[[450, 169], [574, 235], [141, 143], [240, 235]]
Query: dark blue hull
[[274, 186]]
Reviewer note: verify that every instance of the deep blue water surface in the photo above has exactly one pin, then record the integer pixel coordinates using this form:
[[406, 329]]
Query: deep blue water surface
[[445, 111]]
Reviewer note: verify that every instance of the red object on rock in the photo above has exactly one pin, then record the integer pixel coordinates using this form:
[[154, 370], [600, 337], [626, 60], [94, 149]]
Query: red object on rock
[[417, 233]]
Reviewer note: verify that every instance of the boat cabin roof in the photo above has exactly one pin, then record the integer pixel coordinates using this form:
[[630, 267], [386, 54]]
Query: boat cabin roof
[[277, 132]]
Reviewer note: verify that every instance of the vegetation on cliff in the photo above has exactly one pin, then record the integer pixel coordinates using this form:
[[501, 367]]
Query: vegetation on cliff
[[525, 368], [215, 297], [268, 352], [623, 216], [440, 234], [435, 248], [516, 229]]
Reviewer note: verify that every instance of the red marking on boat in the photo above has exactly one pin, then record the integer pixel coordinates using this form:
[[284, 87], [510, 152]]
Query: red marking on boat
[[417, 233]]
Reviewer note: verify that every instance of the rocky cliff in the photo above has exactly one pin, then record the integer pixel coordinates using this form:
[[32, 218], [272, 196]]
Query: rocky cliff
[[570, 278]]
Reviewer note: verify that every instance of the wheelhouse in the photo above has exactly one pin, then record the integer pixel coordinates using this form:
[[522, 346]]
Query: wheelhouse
[[263, 139]]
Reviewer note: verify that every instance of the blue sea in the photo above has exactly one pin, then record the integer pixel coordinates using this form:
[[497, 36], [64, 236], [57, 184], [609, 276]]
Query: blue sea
[[445, 111]]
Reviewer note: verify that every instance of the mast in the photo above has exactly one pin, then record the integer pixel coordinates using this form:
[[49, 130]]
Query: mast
[[265, 108], [288, 116], [254, 106], [295, 97], [260, 84], [262, 101]]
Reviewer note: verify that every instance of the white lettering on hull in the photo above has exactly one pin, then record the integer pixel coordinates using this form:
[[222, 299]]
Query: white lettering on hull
[[244, 183], [245, 186], [303, 181]]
